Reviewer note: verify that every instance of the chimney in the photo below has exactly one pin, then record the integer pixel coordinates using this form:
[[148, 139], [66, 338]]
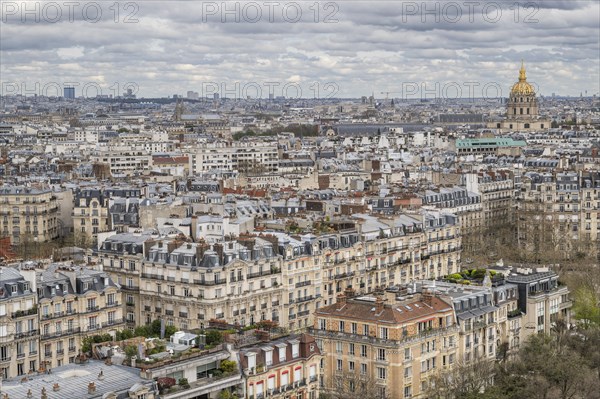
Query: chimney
[[379, 305], [349, 292], [341, 299], [194, 228], [427, 295]]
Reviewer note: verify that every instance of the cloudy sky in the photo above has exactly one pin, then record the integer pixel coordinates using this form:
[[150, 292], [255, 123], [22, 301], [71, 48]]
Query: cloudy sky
[[308, 48]]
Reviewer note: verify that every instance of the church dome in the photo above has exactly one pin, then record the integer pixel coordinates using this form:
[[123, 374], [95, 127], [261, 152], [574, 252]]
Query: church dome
[[522, 88]]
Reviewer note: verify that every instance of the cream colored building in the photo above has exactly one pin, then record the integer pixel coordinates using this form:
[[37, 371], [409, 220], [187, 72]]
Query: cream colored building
[[275, 276], [559, 212], [90, 215], [74, 303], [19, 328], [29, 214]]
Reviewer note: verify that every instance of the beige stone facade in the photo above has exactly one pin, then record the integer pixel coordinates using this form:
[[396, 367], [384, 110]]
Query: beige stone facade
[[29, 214]]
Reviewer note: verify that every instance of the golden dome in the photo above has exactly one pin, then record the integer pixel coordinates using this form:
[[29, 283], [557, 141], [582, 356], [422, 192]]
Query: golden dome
[[522, 87]]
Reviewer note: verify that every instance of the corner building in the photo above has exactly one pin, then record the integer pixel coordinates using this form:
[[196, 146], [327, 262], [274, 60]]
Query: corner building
[[387, 348]]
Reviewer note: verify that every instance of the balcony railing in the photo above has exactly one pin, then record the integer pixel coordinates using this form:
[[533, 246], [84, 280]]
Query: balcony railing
[[304, 299], [210, 282], [391, 343], [25, 334], [24, 313], [112, 322]]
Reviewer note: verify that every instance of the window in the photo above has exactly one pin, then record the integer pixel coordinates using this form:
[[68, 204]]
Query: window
[[322, 324], [342, 326], [269, 357], [351, 365], [408, 372], [408, 391], [282, 354], [381, 373], [407, 354], [363, 369], [365, 329], [381, 354], [383, 332], [338, 347], [353, 328], [339, 365], [351, 349], [363, 350]]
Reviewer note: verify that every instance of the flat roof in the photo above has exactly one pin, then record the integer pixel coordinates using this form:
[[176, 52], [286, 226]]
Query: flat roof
[[73, 380]]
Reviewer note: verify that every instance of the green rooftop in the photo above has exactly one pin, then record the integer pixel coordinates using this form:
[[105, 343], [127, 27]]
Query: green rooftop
[[489, 142]]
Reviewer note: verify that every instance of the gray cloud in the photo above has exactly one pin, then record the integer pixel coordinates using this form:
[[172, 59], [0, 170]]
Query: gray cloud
[[373, 46]]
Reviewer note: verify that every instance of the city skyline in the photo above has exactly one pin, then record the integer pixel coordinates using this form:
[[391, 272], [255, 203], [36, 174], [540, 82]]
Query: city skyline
[[299, 49]]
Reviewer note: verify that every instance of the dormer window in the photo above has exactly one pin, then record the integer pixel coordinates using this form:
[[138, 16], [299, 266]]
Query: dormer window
[[86, 286], [268, 357], [251, 360], [295, 349], [282, 350], [13, 289]]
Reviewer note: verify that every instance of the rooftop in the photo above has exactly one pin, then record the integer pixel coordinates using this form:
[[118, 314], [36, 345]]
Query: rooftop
[[73, 380]]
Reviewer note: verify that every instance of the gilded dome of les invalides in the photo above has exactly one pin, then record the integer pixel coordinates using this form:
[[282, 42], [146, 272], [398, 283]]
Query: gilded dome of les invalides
[[522, 87]]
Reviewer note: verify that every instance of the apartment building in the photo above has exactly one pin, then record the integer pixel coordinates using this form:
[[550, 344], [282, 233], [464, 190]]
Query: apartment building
[[541, 298], [275, 275], [385, 347], [90, 214], [29, 214], [559, 212], [188, 284], [73, 303], [282, 368], [497, 193], [123, 160], [102, 209], [245, 158], [477, 318], [196, 366], [19, 328], [459, 201]]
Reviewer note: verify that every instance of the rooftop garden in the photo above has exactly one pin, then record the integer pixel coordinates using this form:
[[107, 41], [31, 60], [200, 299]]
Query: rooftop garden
[[473, 276]]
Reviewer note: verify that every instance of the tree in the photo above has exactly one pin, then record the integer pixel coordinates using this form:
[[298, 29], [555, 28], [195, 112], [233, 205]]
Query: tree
[[548, 367], [587, 307], [183, 382], [214, 337], [465, 380], [351, 385], [267, 325], [228, 366], [227, 394]]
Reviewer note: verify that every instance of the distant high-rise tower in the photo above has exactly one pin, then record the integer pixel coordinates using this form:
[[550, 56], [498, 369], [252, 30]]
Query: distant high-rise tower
[[69, 93]]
